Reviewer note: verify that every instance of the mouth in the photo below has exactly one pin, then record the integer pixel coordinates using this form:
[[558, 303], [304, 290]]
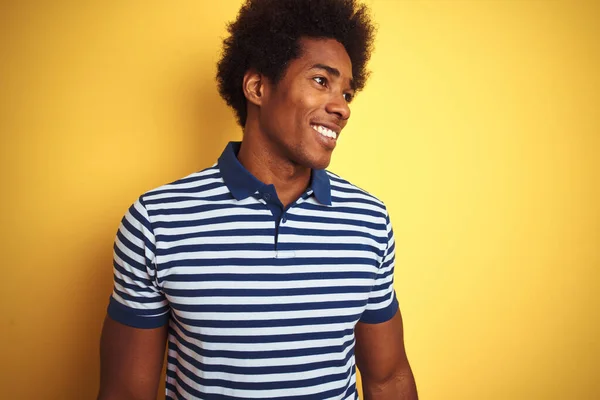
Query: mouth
[[325, 132]]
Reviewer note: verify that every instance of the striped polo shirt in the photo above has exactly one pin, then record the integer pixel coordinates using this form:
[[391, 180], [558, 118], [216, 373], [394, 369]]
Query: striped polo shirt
[[261, 301]]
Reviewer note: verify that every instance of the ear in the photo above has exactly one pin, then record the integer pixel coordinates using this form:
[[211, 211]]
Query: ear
[[253, 86]]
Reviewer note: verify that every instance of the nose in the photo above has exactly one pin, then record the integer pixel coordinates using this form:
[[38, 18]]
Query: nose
[[338, 105]]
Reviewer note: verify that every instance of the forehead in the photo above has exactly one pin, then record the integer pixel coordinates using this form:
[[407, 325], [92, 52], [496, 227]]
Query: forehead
[[328, 52]]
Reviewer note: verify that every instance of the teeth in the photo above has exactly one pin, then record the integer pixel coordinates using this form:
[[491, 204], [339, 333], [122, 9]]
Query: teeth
[[324, 131]]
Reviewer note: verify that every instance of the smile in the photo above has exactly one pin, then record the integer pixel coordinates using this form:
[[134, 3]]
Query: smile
[[324, 131]]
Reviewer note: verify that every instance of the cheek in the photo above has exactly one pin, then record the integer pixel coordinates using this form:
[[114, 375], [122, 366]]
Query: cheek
[[302, 111], [307, 107], [292, 111]]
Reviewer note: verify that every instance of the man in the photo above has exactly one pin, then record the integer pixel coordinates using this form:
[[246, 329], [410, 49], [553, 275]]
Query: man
[[267, 275]]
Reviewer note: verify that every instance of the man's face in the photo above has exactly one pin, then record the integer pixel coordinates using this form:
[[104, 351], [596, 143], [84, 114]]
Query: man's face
[[308, 108]]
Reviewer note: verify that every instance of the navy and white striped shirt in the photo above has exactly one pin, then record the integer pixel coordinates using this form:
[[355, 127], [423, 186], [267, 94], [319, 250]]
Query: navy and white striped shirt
[[261, 301]]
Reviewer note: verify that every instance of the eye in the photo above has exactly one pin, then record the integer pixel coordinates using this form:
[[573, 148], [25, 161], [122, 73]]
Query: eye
[[348, 97], [320, 80]]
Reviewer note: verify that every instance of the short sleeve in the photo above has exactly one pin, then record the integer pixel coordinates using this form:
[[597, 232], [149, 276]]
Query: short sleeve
[[382, 304], [136, 300]]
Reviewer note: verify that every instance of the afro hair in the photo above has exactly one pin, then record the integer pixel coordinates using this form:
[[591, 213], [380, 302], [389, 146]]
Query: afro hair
[[265, 37]]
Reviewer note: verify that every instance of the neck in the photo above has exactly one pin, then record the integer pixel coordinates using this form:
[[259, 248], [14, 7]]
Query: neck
[[267, 163]]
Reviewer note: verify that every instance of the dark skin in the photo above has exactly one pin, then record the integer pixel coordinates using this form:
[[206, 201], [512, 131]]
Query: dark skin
[[381, 359], [280, 147], [131, 361]]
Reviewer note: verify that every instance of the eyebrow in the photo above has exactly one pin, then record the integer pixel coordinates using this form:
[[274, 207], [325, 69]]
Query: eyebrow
[[332, 71]]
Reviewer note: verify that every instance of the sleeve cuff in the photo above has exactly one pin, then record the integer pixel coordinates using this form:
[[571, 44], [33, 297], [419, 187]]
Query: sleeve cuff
[[382, 315], [127, 316]]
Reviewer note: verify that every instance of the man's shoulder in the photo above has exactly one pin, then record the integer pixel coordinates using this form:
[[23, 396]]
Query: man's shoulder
[[343, 191], [198, 184]]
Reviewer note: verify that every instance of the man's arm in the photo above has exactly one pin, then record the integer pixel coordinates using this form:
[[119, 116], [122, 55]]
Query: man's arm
[[130, 361], [381, 359]]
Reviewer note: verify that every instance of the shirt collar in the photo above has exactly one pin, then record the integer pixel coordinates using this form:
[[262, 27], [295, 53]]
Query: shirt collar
[[242, 184]]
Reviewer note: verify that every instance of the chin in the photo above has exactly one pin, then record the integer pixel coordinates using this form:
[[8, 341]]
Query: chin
[[313, 157], [321, 163]]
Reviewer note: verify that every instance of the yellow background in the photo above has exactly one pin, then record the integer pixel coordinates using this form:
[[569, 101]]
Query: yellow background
[[479, 129]]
